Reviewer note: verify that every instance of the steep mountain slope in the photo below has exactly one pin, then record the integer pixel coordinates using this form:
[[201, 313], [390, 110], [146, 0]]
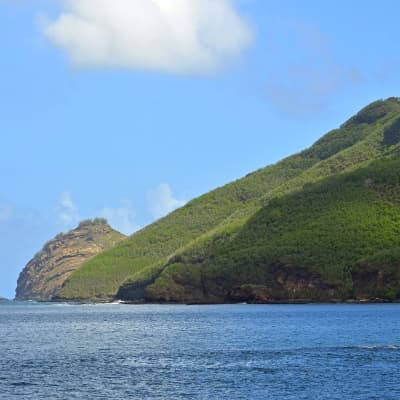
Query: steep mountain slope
[[44, 275], [127, 269], [313, 244]]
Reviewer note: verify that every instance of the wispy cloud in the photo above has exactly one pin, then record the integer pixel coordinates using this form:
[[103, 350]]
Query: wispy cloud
[[121, 218], [308, 71], [66, 211], [180, 36], [162, 201]]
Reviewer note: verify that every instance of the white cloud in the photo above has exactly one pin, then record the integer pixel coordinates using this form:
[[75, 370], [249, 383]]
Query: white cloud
[[67, 212], [162, 202], [121, 218], [180, 36]]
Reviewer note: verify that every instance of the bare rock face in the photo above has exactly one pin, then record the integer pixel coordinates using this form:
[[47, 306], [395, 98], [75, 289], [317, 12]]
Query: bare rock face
[[285, 284], [44, 275], [376, 282]]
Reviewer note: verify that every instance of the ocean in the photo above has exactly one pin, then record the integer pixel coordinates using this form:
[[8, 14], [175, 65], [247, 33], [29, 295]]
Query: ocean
[[335, 351]]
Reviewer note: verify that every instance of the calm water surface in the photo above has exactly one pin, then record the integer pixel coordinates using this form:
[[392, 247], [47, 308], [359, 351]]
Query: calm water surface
[[199, 352]]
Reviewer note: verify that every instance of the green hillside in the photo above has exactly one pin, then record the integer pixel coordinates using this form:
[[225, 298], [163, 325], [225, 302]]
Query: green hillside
[[138, 261], [301, 246]]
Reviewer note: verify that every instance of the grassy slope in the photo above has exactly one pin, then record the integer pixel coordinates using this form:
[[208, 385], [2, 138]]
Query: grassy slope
[[143, 256], [102, 276], [325, 229]]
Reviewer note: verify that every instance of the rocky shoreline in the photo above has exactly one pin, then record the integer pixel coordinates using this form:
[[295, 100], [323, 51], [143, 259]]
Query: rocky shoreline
[[269, 302]]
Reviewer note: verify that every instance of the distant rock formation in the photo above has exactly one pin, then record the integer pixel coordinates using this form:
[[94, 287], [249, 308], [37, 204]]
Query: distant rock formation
[[44, 275]]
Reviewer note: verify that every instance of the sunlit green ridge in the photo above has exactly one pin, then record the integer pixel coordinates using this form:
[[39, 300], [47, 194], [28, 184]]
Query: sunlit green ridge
[[137, 262]]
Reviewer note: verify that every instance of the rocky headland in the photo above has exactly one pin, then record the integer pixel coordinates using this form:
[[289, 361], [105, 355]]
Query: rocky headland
[[44, 275]]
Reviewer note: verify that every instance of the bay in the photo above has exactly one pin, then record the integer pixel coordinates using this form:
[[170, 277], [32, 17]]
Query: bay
[[335, 351]]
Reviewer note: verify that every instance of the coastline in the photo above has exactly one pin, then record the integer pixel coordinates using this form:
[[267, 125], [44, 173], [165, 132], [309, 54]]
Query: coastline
[[271, 302]]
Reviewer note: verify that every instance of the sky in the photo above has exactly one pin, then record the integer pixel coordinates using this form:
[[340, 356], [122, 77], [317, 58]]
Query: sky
[[127, 109]]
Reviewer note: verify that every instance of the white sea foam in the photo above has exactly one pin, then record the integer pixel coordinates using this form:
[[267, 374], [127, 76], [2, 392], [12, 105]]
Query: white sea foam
[[379, 347]]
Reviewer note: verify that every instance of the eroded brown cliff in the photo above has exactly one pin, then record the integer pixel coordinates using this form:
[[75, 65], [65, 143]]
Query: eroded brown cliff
[[44, 275]]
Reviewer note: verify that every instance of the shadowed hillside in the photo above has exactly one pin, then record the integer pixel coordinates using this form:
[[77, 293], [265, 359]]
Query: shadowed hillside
[[312, 245]]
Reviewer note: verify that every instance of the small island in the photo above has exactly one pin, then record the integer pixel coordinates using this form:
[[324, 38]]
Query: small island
[[3, 299]]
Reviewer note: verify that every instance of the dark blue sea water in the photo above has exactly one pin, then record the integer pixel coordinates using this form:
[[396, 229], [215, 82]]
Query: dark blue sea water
[[199, 352]]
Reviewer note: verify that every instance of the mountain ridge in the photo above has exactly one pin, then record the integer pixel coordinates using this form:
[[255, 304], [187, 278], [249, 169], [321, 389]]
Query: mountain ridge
[[355, 143], [141, 267], [361, 134]]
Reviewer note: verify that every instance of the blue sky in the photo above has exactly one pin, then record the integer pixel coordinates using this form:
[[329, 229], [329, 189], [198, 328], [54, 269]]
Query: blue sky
[[127, 109]]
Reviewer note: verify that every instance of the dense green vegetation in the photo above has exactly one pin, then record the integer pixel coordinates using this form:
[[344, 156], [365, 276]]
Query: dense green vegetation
[[223, 215], [321, 231], [102, 276]]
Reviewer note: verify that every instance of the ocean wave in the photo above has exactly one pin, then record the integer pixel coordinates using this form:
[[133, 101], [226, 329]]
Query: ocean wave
[[378, 347]]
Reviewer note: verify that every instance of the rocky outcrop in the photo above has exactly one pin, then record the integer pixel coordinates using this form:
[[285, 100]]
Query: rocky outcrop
[[44, 275], [286, 284], [376, 281]]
